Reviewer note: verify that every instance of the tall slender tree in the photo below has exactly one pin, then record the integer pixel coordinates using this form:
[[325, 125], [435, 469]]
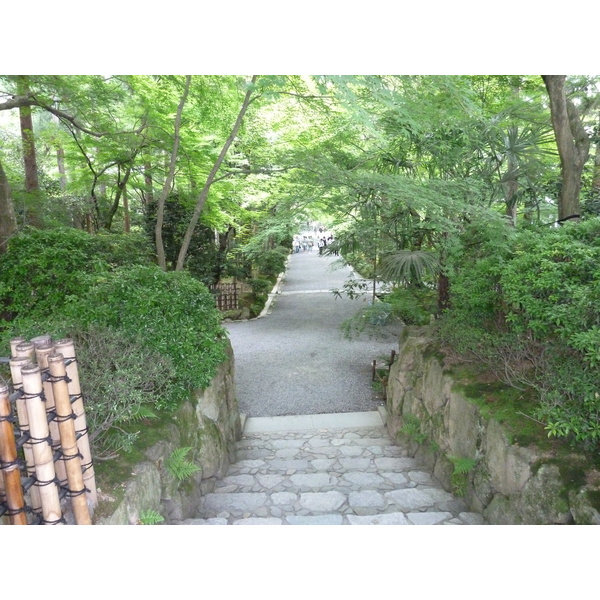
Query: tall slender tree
[[201, 200], [160, 249]]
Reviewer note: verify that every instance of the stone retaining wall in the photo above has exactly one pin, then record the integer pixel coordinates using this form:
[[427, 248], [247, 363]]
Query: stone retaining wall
[[209, 423], [507, 483]]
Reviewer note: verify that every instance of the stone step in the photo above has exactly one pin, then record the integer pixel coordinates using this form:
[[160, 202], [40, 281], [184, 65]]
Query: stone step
[[328, 476], [347, 502], [392, 518]]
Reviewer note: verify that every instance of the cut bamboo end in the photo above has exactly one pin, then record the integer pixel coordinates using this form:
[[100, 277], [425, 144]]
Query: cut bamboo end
[[13, 345], [25, 350], [41, 340]]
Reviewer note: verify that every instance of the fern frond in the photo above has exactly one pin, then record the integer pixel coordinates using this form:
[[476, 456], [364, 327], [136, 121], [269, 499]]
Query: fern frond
[[462, 465], [178, 466], [142, 412], [150, 517], [406, 266]]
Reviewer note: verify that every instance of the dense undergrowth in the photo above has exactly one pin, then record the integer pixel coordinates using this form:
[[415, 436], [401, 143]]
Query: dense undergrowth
[[144, 338], [529, 309], [524, 305]]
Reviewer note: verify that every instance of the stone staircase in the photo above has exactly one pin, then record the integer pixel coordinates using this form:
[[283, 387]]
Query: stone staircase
[[343, 472]]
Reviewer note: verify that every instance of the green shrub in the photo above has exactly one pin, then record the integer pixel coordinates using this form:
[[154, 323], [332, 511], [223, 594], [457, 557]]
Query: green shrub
[[413, 305], [121, 380], [531, 312], [552, 287], [171, 313], [43, 267], [272, 262], [260, 286]]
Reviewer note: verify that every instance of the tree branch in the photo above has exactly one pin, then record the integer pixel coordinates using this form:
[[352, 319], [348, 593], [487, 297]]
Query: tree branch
[[248, 99]]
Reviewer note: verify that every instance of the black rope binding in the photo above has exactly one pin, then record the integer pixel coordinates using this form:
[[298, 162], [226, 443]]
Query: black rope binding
[[57, 378], [34, 441]]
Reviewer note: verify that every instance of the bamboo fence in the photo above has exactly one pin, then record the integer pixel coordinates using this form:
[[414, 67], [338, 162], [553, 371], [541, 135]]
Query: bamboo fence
[[45, 457], [226, 295]]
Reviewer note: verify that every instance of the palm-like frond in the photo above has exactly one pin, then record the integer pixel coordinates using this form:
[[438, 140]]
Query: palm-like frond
[[409, 266]]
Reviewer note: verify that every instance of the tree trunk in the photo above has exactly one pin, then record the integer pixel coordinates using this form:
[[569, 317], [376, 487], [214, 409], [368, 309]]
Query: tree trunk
[[120, 189], [148, 194], [443, 293], [573, 145], [160, 209], [596, 174], [60, 162], [127, 224], [8, 222], [204, 193], [29, 158]]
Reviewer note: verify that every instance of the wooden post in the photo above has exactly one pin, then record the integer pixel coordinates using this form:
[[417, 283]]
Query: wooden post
[[42, 352], [11, 474], [15, 372], [42, 451], [68, 439], [67, 349]]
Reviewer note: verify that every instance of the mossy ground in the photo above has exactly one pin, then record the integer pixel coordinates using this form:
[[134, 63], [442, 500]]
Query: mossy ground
[[511, 407], [514, 409]]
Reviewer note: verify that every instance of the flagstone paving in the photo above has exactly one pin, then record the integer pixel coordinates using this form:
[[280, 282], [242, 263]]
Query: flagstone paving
[[329, 476]]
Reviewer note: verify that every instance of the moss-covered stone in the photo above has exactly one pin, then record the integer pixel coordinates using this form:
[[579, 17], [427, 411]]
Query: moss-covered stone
[[521, 476]]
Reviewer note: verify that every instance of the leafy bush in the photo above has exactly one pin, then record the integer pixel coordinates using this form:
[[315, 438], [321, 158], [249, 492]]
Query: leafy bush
[[42, 268], [272, 262], [167, 319], [552, 287], [121, 380], [171, 313], [144, 338], [413, 305], [532, 312], [260, 286]]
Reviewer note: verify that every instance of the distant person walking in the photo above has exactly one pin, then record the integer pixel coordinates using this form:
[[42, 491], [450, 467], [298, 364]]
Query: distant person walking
[[322, 245]]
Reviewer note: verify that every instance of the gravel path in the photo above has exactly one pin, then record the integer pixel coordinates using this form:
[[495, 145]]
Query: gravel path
[[295, 360]]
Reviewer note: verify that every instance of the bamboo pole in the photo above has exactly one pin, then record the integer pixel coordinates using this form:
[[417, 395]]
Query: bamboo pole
[[42, 451], [41, 340], [11, 474], [66, 347], [25, 350], [15, 372], [13, 345], [42, 353], [68, 439], [3, 518]]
